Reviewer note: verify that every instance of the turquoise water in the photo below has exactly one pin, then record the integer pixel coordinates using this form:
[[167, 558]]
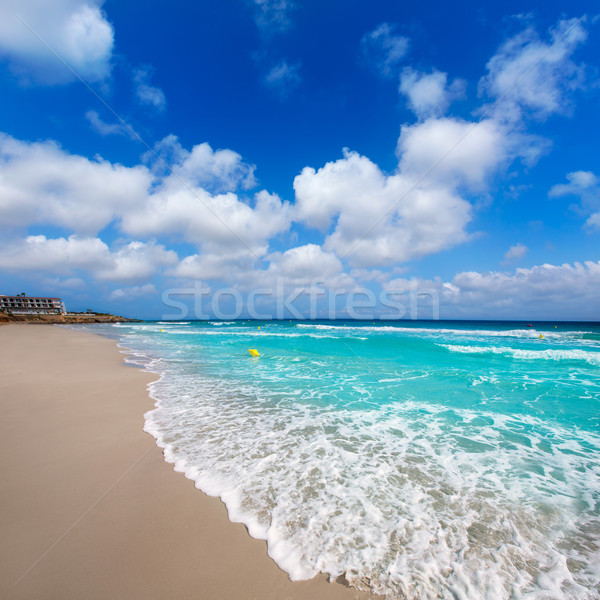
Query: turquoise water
[[421, 460]]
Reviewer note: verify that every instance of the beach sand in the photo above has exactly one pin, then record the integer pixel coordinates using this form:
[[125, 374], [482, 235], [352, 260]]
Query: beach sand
[[88, 507]]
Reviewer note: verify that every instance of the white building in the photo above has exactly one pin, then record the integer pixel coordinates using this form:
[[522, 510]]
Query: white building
[[21, 305]]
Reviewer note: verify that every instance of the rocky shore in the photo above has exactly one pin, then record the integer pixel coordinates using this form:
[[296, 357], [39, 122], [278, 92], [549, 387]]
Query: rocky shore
[[69, 318]]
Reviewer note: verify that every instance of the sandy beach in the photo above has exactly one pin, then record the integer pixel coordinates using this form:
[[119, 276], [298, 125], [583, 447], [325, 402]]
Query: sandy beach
[[88, 507]]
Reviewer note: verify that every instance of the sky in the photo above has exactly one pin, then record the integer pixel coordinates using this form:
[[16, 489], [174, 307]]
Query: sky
[[279, 158]]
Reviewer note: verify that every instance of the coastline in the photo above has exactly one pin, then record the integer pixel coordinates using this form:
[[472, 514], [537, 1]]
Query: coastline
[[90, 509], [64, 319]]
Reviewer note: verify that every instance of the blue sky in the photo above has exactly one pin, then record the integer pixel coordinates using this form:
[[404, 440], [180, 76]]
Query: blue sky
[[389, 149]]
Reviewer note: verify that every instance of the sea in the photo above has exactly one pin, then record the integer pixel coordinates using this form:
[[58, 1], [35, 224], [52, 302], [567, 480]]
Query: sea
[[418, 460]]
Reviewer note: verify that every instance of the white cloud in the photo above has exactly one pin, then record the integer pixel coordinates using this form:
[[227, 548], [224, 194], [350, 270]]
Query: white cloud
[[381, 219], [383, 49], [58, 256], [283, 77], [586, 186], [102, 127], [420, 209], [215, 266], [580, 182], [369, 217], [71, 283], [273, 16], [195, 202], [212, 170], [147, 94], [133, 292], [429, 94], [219, 223], [134, 261], [542, 292], [42, 183], [304, 265], [76, 30], [534, 76], [375, 219], [454, 150], [515, 253]]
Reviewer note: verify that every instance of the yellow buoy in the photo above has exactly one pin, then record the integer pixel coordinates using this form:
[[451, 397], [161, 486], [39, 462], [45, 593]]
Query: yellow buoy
[[541, 337], [162, 329], [253, 352], [259, 326]]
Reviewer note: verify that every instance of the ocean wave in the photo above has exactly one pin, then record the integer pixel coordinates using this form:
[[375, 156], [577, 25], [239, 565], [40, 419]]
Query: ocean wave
[[255, 333], [403, 502], [511, 333], [554, 354]]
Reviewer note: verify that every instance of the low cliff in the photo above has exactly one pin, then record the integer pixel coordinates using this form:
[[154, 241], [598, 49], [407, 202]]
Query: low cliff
[[73, 318]]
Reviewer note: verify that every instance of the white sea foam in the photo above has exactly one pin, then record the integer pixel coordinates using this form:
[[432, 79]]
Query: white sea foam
[[512, 333], [553, 354], [403, 500], [247, 332], [173, 322]]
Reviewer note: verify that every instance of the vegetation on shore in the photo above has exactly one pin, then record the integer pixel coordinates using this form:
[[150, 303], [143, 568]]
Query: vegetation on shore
[[69, 318]]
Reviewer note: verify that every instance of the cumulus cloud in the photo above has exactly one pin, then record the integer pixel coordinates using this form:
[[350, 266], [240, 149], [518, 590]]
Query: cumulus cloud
[[147, 94], [306, 265], [60, 255], [218, 223], [586, 186], [371, 218], [134, 261], [212, 170], [542, 292], [298, 270], [381, 219], [515, 253], [75, 30], [447, 149], [216, 266], [421, 209], [428, 94], [40, 183], [383, 49], [283, 77], [531, 76]]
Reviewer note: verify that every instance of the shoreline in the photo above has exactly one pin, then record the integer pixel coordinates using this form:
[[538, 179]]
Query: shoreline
[[90, 508]]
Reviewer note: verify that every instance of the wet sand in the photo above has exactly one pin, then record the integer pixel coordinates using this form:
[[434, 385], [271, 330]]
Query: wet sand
[[88, 507]]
